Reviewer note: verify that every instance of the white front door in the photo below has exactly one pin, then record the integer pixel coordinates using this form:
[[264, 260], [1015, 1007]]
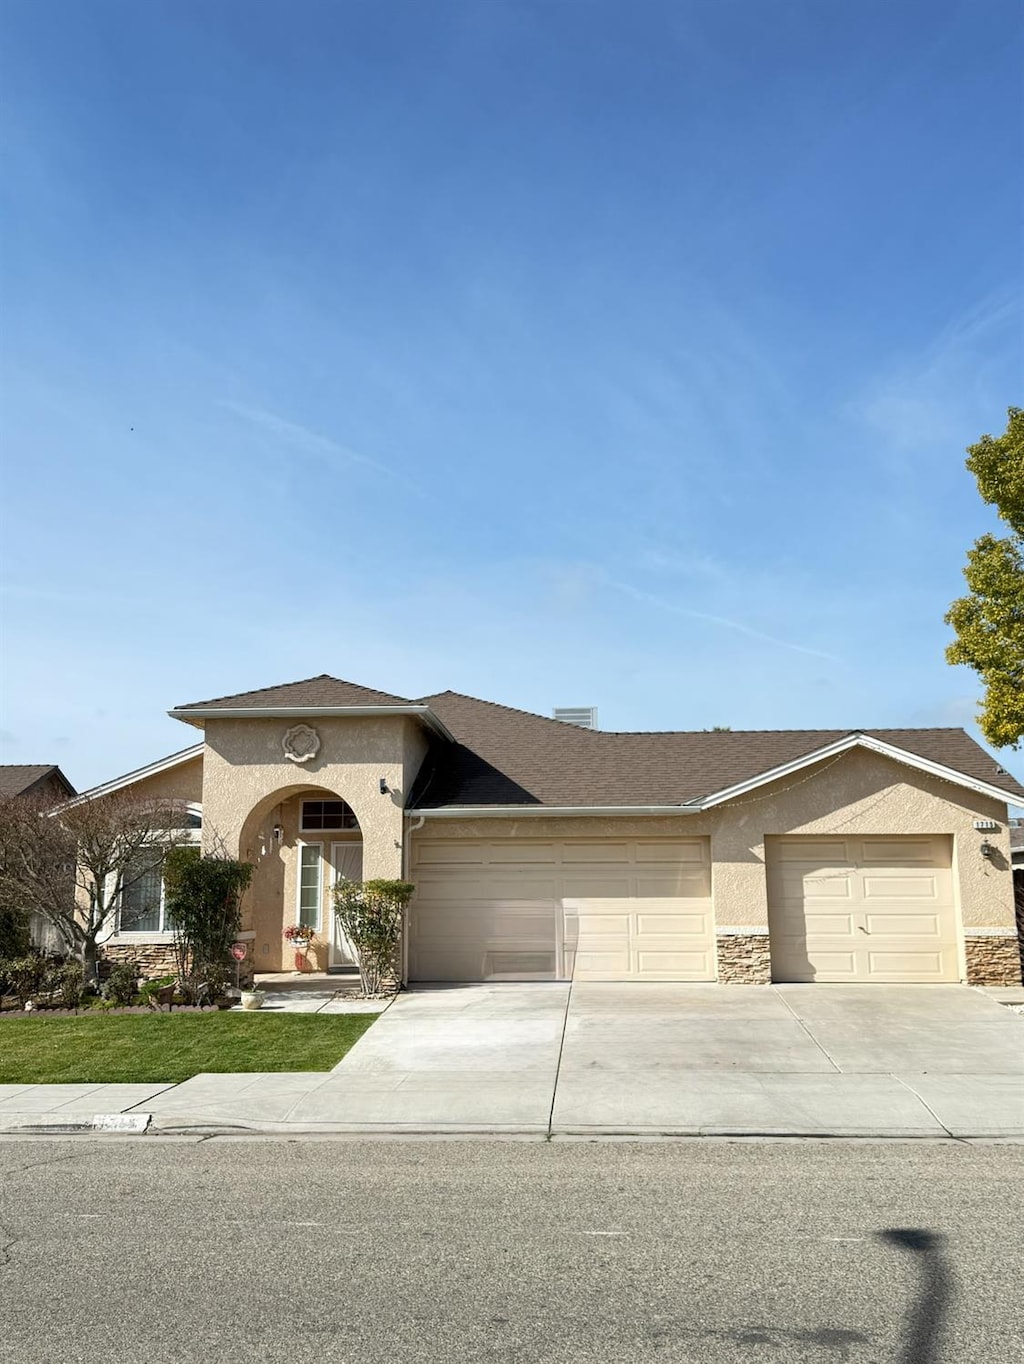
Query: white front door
[[346, 864]]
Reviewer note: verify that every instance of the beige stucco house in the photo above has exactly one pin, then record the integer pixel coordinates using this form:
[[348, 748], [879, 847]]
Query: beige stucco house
[[541, 850]]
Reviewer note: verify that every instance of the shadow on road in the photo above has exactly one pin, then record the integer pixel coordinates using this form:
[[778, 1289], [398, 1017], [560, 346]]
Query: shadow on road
[[926, 1316]]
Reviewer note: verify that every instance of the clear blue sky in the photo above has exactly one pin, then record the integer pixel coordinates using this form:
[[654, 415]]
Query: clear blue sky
[[554, 351]]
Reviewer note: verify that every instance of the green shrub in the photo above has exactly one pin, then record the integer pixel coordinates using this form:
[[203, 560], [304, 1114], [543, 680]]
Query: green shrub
[[371, 914], [122, 985], [26, 976], [204, 906], [67, 981]]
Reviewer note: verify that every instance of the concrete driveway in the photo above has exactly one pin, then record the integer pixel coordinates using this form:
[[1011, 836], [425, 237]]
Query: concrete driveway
[[685, 1059], [558, 1060]]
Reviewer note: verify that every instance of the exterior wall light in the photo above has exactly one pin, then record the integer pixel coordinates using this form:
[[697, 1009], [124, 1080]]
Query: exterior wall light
[[384, 788], [277, 833], [987, 850]]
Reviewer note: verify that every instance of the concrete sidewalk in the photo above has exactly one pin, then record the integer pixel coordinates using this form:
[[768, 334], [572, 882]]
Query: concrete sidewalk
[[648, 1060]]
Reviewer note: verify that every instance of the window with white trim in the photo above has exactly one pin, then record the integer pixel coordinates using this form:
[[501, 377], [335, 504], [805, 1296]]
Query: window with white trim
[[318, 815], [311, 884], [141, 905], [142, 896]]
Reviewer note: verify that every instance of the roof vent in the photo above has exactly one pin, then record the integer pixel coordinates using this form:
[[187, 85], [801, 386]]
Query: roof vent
[[584, 717]]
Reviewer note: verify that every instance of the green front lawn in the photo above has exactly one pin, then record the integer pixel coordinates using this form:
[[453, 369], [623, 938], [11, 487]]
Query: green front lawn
[[158, 1048]]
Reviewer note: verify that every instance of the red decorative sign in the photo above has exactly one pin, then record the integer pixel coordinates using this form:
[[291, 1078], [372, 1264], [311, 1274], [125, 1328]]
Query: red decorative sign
[[239, 951]]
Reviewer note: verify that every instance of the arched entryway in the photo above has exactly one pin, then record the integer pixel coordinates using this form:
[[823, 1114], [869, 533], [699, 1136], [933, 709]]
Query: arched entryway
[[300, 840]]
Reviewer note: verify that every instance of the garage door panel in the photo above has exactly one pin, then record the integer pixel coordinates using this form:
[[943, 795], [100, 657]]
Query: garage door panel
[[516, 853], [610, 965], [692, 850], [659, 925], [577, 887], [823, 852], [900, 888], [924, 851], [821, 925], [900, 965], [814, 885], [448, 854], [835, 964], [914, 926], [475, 889], [595, 854], [680, 885], [899, 915], [594, 923]]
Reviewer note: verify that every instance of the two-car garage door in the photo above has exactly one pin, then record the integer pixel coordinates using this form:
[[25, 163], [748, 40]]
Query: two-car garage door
[[856, 909], [862, 909], [590, 909]]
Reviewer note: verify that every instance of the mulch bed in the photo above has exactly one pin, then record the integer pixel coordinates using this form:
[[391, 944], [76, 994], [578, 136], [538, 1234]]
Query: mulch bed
[[109, 1013]]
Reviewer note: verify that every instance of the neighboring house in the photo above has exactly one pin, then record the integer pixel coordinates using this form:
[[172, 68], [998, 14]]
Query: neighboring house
[[1017, 844], [43, 781], [543, 850]]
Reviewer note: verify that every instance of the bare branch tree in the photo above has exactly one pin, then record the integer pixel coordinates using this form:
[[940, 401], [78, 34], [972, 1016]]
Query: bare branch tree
[[76, 863]]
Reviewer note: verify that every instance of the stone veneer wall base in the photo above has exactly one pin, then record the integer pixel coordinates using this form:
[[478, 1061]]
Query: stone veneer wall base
[[744, 959], [993, 959], [154, 959]]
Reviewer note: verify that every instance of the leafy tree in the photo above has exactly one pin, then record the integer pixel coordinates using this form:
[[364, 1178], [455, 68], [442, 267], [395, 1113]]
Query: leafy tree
[[989, 621], [74, 863]]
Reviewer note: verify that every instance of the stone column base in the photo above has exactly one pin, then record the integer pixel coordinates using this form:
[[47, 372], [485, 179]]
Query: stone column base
[[993, 958], [744, 956]]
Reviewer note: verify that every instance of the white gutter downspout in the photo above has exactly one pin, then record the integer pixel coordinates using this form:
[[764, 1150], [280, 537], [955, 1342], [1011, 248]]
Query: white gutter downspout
[[410, 829]]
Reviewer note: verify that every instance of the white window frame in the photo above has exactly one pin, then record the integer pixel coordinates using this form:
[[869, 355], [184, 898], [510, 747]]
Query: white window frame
[[300, 845], [321, 800], [163, 934]]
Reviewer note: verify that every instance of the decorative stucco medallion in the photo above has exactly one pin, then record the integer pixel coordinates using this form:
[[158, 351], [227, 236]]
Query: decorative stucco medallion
[[301, 743]]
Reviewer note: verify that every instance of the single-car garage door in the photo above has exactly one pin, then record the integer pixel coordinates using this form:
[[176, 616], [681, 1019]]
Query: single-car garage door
[[545, 909], [862, 909]]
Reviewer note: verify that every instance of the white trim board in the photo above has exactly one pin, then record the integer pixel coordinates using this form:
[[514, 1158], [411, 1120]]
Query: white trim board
[[192, 715]]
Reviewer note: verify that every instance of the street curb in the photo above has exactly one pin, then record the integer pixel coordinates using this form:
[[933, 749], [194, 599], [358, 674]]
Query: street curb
[[52, 1125]]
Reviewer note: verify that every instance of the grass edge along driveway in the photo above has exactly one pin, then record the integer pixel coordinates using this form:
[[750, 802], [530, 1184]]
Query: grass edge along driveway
[[168, 1048]]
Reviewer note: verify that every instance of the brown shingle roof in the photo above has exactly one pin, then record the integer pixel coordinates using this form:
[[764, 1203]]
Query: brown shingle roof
[[312, 691], [18, 779], [503, 756], [510, 757]]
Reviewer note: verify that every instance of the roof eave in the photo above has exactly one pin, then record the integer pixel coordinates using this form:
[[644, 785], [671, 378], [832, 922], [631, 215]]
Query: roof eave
[[510, 811], [197, 715]]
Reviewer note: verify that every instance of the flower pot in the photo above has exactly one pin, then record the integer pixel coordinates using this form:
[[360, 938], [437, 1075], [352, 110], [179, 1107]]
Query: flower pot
[[253, 999]]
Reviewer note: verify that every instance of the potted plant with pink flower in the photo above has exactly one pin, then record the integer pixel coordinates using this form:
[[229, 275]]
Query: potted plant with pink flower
[[301, 937]]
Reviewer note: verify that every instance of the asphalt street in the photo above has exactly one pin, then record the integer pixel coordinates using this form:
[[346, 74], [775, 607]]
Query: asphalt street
[[370, 1251]]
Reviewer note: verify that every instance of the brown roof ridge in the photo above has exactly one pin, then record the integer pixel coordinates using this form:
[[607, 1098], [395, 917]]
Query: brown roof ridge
[[277, 686], [500, 705]]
